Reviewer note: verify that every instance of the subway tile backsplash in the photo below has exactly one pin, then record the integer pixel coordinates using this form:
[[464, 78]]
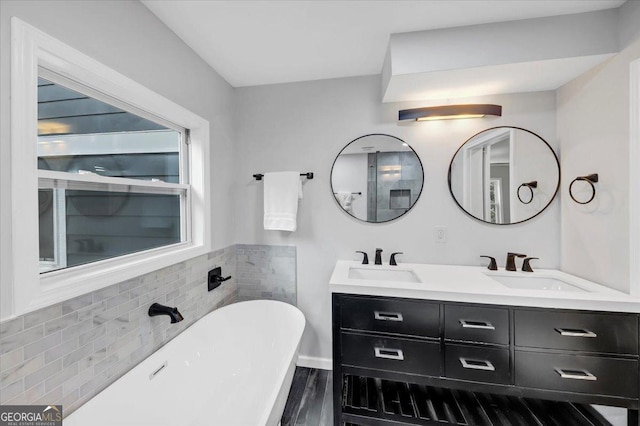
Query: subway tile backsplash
[[67, 353]]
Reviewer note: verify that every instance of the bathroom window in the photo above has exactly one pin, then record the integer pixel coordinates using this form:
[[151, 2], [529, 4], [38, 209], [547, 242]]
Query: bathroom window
[[110, 180]]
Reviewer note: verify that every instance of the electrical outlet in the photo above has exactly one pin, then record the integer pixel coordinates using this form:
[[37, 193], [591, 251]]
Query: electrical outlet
[[441, 234]]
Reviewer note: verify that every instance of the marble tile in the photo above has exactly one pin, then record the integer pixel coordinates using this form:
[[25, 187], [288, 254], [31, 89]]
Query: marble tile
[[11, 359], [43, 373], [12, 326], [40, 346], [42, 315]]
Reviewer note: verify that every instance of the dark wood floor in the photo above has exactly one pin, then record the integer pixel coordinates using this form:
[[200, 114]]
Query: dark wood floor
[[309, 402]]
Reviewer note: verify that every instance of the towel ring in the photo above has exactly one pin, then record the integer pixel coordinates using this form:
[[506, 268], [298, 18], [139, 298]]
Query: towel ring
[[590, 179], [530, 185]]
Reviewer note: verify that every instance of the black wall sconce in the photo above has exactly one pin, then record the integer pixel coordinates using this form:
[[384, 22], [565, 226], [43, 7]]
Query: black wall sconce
[[450, 112], [590, 179], [530, 185]]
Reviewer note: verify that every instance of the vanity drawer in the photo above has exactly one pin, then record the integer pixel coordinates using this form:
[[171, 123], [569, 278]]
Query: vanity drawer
[[391, 354], [476, 324], [414, 318], [580, 331], [477, 363], [577, 373]]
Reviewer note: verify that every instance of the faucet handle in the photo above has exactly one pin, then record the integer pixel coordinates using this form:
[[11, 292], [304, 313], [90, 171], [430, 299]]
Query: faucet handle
[[493, 266], [365, 259], [526, 265], [392, 261]]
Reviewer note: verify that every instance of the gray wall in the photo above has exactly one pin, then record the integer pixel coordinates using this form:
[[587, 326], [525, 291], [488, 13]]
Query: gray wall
[[593, 130], [303, 126]]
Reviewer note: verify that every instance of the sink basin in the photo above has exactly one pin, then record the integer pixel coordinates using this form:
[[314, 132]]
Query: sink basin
[[519, 282], [397, 275]]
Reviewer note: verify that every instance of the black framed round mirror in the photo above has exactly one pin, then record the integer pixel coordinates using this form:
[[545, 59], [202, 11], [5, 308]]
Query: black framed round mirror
[[377, 178], [504, 175]]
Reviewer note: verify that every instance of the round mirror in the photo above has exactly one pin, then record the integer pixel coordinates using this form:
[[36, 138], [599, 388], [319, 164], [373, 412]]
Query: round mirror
[[504, 175], [377, 178]]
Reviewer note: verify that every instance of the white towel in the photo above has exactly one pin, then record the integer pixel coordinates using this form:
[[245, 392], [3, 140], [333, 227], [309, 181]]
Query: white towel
[[345, 199], [281, 193]]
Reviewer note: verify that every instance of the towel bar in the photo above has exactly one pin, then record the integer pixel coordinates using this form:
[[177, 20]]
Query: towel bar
[[308, 175]]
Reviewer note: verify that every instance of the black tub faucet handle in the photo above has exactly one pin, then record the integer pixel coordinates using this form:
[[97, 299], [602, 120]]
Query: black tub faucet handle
[[526, 265], [365, 259], [493, 266], [392, 261]]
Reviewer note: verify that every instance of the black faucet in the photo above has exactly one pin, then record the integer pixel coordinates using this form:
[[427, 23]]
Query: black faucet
[[365, 259], [526, 265], [158, 309], [392, 261], [378, 256], [511, 261], [493, 266]]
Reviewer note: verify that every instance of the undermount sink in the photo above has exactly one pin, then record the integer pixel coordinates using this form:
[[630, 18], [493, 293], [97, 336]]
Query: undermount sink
[[397, 275], [519, 282]]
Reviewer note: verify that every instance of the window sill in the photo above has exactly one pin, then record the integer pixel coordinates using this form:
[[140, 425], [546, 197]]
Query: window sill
[[65, 284]]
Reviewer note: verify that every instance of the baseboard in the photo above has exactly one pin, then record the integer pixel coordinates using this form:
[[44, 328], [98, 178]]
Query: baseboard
[[314, 362]]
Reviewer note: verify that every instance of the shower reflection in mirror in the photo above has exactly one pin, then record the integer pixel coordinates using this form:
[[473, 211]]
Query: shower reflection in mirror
[[487, 172], [377, 178]]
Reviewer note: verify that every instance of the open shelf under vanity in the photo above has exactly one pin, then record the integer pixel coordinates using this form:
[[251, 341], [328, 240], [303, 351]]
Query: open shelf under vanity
[[367, 401]]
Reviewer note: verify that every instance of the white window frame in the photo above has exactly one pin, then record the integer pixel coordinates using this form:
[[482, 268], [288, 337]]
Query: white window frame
[[29, 290]]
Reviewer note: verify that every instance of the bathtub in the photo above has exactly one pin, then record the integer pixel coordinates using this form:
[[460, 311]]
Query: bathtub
[[232, 367]]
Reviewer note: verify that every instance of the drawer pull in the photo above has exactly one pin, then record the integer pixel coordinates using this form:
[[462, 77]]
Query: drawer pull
[[483, 325], [474, 364], [574, 332], [387, 316], [389, 353], [575, 374]]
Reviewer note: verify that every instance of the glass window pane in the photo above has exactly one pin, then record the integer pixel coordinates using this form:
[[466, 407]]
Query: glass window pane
[[102, 225], [78, 134], [45, 213]]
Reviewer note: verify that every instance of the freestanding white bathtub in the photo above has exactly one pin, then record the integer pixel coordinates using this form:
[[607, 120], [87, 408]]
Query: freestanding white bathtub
[[232, 367]]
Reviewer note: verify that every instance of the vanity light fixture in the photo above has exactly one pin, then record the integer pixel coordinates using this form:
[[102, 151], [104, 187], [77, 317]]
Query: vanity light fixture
[[450, 112]]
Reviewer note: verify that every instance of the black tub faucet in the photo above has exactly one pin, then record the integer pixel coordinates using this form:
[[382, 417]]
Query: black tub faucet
[[365, 259], [378, 256], [511, 261], [158, 309]]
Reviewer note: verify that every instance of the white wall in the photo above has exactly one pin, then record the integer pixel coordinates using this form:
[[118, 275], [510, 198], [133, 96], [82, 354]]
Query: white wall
[[303, 126], [593, 130], [127, 37]]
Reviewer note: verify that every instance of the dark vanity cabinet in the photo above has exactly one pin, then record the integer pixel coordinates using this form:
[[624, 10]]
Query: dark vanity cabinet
[[389, 354]]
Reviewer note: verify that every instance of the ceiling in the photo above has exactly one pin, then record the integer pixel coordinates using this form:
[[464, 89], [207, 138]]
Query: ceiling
[[253, 43]]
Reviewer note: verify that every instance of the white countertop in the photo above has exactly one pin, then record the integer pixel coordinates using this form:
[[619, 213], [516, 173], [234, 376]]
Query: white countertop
[[473, 284]]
